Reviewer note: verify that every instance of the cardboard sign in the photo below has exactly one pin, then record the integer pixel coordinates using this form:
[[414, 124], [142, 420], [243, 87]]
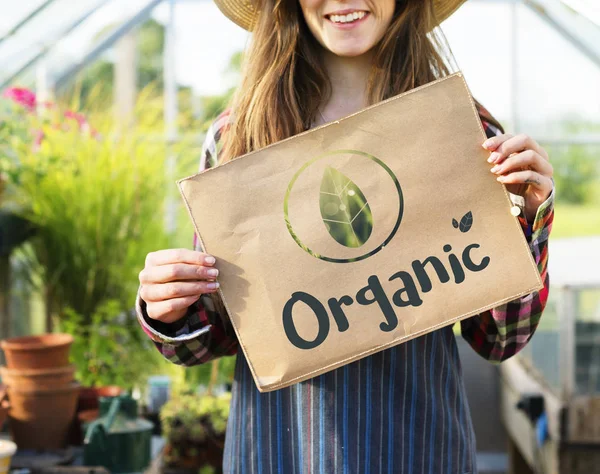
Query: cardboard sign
[[361, 234]]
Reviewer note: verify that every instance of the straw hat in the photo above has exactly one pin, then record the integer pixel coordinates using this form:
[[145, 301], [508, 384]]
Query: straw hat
[[243, 13]]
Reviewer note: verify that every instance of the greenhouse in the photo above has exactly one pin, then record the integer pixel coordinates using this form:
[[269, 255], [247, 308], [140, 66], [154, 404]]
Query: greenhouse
[[110, 101]]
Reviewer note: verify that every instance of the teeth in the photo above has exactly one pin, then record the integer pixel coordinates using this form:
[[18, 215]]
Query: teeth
[[350, 17]]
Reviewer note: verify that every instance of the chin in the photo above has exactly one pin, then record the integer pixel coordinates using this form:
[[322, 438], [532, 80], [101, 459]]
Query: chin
[[349, 51]]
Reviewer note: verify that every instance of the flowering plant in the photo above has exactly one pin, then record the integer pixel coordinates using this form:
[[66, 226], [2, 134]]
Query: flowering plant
[[15, 107], [95, 198], [22, 122]]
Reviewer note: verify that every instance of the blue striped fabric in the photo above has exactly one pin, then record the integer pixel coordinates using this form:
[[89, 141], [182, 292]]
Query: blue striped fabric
[[403, 410]]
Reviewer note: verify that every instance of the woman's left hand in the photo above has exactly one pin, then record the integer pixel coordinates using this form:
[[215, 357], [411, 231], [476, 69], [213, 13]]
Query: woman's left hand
[[524, 167]]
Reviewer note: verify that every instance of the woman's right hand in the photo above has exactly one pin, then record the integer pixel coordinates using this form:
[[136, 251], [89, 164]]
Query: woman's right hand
[[173, 280]]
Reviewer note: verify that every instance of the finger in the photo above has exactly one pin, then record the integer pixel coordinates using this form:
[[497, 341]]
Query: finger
[[168, 291], [514, 145], [526, 159], [492, 143], [177, 272], [170, 310], [171, 256], [532, 178]]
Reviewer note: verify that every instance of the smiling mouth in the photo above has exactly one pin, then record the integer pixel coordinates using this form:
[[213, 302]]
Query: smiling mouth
[[346, 18]]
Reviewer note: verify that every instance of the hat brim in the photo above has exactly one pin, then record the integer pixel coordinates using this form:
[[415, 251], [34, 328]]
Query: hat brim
[[244, 14]]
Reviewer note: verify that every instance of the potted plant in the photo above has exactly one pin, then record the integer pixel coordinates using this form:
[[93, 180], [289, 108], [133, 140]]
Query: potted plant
[[194, 428], [110, 354], [96, 198]]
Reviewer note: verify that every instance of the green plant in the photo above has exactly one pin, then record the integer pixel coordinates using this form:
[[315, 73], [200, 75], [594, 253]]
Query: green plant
[[97, 200], [194, 428], [575, 174], [16, 108], [110, 349]]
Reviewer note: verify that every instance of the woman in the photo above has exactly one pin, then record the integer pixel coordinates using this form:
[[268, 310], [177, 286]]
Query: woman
[[403, 409]]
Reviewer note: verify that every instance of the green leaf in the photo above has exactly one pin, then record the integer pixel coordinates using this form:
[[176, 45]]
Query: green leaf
[[466, 222], [344, 209]]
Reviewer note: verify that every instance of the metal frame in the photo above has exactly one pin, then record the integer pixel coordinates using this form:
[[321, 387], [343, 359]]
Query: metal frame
[[48, 46], [590, 49], [567, 308], [60, 81], [26, 19]]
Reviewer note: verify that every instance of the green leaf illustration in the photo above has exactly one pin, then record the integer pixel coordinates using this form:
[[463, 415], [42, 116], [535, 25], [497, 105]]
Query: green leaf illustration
[[344, 209], [466, 222]]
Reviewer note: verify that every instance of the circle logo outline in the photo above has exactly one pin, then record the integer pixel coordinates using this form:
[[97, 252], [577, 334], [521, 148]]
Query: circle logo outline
[[360, 257]]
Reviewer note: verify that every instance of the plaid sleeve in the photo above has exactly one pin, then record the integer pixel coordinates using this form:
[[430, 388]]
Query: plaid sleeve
[[205, 333], [501, 332]]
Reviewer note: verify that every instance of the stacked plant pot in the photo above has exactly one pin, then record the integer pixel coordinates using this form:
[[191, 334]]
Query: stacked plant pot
[[41, 389]]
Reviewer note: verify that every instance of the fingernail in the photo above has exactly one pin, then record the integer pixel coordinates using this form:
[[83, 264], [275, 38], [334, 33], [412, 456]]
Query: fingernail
[[495, 169], [487, 143], [500, 178], [491, 158], [212, 272], [209, 260], [213, 286], [494, 157]]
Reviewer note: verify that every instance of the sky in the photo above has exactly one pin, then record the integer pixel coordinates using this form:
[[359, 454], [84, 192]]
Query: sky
[[553, 78]]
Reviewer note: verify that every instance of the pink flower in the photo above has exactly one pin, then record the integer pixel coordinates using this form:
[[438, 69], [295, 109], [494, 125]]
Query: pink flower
[[21, 96], [79, 118], [39, 137]]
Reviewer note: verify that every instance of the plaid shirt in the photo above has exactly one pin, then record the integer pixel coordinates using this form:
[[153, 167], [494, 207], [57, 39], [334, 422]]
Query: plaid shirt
[[399, 410]]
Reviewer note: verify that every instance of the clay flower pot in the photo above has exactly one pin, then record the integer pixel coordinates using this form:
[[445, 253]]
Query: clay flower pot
[[37, 352], [41, 418], [38, 378], [89, 397]]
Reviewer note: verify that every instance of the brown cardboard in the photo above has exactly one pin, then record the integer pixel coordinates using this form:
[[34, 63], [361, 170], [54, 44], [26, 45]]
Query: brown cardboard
[[443, 195]]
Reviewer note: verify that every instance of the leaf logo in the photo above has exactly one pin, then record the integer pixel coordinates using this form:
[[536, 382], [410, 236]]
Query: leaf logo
[[344, 209], [465, 223]]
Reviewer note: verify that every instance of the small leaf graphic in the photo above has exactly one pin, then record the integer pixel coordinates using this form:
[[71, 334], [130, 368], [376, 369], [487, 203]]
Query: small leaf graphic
[[344, 209], [454, 223], [466, 222]]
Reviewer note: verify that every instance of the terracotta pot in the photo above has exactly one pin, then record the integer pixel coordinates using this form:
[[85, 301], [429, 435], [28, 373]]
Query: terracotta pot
[[41, 418], [34, 378], [37, 352], [89, 396]]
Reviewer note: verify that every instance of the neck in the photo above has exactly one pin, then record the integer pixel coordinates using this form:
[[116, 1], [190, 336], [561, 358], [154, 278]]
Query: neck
[[348, 78]]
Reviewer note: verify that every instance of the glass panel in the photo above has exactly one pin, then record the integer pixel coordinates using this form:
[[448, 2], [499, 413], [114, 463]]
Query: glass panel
[[588, 8], [18, 11], [543, 351], [75, 45], [548, 89], [556, 98], [587, 342], [40, 33], [62, 34]]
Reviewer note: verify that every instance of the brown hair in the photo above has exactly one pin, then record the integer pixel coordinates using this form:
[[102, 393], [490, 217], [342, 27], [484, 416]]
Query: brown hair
[[284, 81]]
